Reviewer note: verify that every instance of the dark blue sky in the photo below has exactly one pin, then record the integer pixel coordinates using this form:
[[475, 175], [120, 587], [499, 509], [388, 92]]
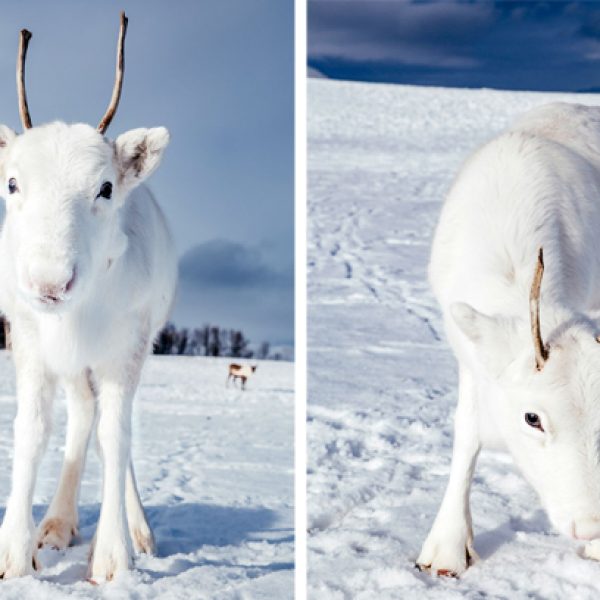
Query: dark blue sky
[[219, 75], [508, 45]]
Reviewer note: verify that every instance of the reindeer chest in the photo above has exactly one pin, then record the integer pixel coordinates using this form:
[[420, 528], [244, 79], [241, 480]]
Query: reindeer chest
[[71, 343]]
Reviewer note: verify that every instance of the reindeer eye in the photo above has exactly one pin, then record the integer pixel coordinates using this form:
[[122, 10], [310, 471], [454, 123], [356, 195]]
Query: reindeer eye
[[534, 421], [105, 190], [12, 185]]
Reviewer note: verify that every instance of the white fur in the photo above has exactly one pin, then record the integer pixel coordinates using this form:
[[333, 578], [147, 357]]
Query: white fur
[[537, 185], [93, 335]]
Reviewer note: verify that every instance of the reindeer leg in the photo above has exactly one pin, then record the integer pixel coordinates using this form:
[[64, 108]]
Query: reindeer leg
[[59, 526], [35, 391], [139, 529], [117, 381], [449, 545]]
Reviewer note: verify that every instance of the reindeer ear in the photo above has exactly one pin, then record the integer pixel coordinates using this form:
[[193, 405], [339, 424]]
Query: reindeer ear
[[492, 336], [7, 135], [138, 153], [470, 321]]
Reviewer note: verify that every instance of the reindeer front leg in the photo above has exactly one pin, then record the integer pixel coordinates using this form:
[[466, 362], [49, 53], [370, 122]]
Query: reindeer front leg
[[61, 521], [117, 382], [448, 548], [35, 391]]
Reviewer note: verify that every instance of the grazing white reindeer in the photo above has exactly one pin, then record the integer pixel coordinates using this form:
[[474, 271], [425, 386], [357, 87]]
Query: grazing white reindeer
[[537, 185], [88, 275], [240, 372]]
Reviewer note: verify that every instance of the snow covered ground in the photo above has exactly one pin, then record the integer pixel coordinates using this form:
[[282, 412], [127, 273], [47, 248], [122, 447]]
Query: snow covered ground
[[215, 470], [382, 380]]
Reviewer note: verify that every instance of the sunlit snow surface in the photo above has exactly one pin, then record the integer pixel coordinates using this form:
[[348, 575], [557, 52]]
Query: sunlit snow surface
[[215, 472], [382, 379]]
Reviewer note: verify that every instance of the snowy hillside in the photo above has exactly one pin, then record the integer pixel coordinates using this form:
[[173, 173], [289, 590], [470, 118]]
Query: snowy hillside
[[215, 470], [382, 380]]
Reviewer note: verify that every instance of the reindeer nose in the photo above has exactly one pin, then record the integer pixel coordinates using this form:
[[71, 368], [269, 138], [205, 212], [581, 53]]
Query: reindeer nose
[[52, 290]]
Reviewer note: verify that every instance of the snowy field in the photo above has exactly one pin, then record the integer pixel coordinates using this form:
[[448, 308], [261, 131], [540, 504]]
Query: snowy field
[[382, 379], [215, 470]]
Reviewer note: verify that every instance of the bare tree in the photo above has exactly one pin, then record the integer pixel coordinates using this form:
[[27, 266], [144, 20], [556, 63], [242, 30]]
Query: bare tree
[[239, 344], [214, 347]]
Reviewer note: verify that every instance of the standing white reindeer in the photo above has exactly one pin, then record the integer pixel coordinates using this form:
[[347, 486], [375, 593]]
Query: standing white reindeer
[[537, 185], [88, 275]]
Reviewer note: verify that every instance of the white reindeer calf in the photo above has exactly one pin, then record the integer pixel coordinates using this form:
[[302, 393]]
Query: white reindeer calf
[[537, 185], [88, 275]]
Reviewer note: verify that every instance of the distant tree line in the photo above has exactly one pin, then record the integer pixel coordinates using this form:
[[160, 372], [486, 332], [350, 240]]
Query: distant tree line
[[207, 341], [204, 341]]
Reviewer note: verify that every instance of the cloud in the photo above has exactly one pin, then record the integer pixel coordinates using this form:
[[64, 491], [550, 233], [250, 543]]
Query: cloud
[[235, 285], [515, 45], [396, 31], [225, 264]]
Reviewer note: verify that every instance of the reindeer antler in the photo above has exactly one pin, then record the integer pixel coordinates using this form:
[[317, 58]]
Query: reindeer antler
[[541, 352], [116, 95], [23, 107]]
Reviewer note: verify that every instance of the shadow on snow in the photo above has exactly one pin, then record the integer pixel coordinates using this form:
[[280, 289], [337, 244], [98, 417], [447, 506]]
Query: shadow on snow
[[181, 529]]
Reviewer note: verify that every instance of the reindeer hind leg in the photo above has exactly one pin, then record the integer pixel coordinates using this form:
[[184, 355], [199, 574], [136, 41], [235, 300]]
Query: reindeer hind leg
[[139, 529], [59, 526]]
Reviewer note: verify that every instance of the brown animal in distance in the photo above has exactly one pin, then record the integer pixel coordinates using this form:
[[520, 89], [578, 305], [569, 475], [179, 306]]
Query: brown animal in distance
[[240, 372]]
